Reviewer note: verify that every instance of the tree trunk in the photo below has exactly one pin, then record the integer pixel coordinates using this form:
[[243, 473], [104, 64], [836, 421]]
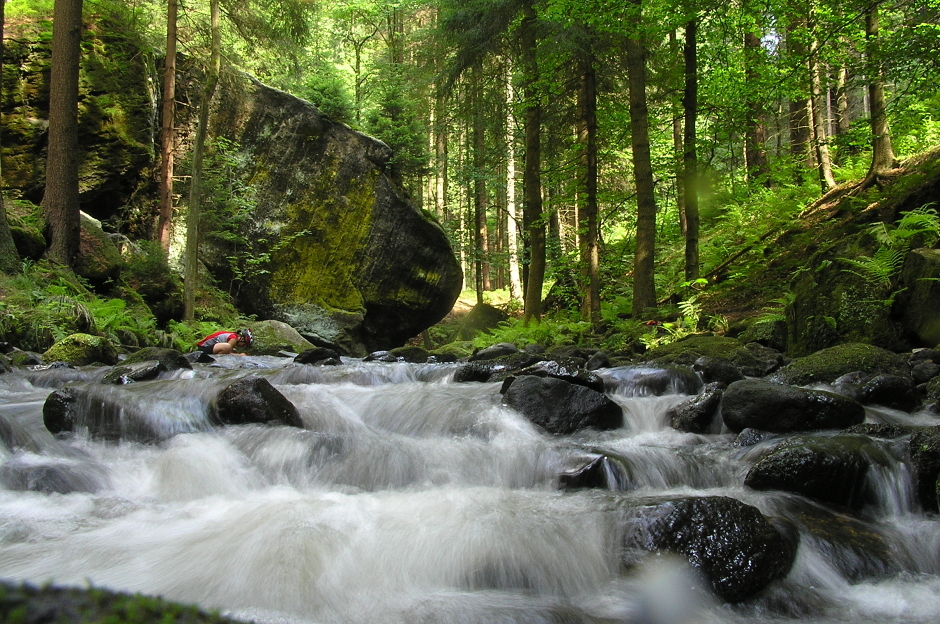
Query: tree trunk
[[191, 269], [440, 159], [800, 129], [690, 154], [479, 187], [820, 134], [755, 133], [9, 258], [644, 286], [533, 219], [60, 201], [677, 147], [587, 216], [882, 152], [167, 129], [515, 282]]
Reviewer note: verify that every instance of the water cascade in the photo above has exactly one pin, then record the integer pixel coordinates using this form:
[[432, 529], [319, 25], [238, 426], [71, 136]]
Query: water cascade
[[407, 497]]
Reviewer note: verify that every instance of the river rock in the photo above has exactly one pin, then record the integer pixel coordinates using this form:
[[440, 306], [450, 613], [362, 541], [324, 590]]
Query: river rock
[[731, 543], [106, 415], [317, 355], [781, 409], [829, 364], [717, 369], [271, 337], [852, 546], [925, 464], [492, 352], [81, 350], [170, 358], [411, 354], [920, 294], [597, 472], [496, 369], [831, 470], [922, 372], [255, 400], [137, 371], [698, 414], [566, 370], [561, 407]]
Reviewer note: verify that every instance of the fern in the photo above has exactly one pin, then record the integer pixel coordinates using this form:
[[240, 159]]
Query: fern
[[879, 269]]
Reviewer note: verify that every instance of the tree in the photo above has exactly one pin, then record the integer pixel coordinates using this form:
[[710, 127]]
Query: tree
[[690, 153], [588, 217], [167, 131], [60, 201], [644, 259], [9, 259], [190, 277], [882, 151]]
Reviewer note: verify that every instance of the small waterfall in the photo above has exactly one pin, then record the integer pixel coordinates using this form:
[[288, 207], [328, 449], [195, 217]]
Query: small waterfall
[[407, 497]]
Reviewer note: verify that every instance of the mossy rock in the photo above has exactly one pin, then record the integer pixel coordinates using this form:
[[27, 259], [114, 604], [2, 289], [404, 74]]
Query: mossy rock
[[412, 354], [28, 604], [828, 364], [82, 350], [481, 318], [918, 300], [29, 241], [273, 337], [697, 345], [170, 358], [458, 348], [99, 260]]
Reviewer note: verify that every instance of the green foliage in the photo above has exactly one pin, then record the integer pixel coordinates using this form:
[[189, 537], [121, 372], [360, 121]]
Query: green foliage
[[183, 336], [326, 88], [550, 331]]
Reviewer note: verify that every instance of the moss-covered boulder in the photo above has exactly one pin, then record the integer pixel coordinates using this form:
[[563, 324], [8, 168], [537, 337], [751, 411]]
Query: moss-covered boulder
[[99, 260], [273, 337], [753, 360], [117, 119], [836, 301], [347, 259], [81, 350], [920, 301], [827, 365], [758, 404], [482, 317]]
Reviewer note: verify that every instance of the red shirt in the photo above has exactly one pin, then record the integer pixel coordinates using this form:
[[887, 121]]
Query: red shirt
[[213, 339]]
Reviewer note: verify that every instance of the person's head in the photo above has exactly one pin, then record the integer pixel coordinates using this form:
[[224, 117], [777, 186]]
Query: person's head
[[244, 338]]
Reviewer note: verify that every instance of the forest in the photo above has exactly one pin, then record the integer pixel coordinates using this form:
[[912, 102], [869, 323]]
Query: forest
[[617, 157]]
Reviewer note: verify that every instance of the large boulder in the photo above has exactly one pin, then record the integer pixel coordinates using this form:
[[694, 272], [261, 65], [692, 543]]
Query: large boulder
[[758, 404], [99, 260], [925, 463], [344, 257], [698, 414], [829, 364], [561, 407], [828, 469], [731, 543], [918, 300]]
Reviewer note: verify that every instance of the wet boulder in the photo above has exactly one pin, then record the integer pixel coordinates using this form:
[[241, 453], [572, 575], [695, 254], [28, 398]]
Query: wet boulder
[[497, 368], [752, 361], [831, 470], [652, 380], [410, 354], [925, 464], [894, 391], [698, 414], [82, 350], [920, 294], [566, 370], [717, 369], [782, 409], [138, 371], [561, 407], [255, 400], [829, 364], [595, 472], [170, 358], [853, 547], [492, 352], [317, 355], [735, 548], [109, 415]]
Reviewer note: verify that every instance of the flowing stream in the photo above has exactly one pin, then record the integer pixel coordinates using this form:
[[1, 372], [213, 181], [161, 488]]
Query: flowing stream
[[410, 498]]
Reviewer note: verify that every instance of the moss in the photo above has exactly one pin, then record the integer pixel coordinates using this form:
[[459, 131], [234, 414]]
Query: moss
[[319, 255], [711, 346], [81, 350], [829, 364]]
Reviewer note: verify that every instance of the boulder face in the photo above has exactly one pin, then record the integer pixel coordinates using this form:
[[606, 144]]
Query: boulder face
[[348, 259]]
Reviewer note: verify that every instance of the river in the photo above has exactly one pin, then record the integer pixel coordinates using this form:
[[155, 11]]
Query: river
[[410, 498]]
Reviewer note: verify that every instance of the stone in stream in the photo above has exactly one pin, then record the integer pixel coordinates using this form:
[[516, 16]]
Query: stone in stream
[[925, 463], [735, 548], [698, 414], [778, 408], [561, 407], [831, 470], [255, 400], [106, 415]]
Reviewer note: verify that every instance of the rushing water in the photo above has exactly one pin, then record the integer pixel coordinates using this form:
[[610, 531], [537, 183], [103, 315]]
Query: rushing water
[[410, 498]]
